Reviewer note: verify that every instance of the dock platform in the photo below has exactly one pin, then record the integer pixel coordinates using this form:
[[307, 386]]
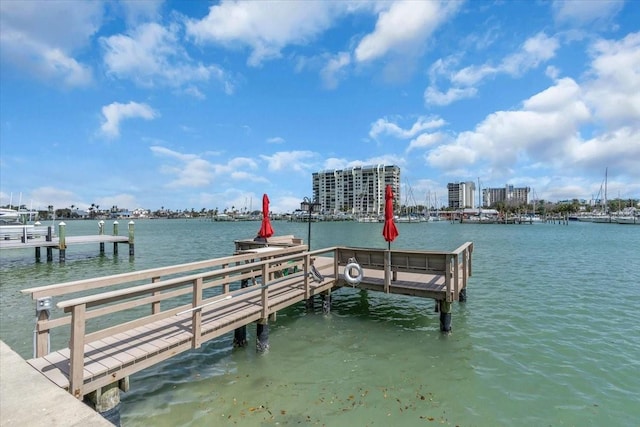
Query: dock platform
[[178, 308], [21, 237]]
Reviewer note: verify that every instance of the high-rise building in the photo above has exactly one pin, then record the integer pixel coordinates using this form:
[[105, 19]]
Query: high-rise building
[[461, 194], [509, 194], [357, 190]]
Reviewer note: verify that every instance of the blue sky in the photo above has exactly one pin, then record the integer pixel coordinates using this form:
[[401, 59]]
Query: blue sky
[[193, 104]]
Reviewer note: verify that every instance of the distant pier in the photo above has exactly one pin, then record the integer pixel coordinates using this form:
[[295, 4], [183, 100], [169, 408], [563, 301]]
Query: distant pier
[[20, 237]]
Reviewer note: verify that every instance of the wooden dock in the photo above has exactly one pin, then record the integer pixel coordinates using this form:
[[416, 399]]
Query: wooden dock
[[41, 237], [178, 308]]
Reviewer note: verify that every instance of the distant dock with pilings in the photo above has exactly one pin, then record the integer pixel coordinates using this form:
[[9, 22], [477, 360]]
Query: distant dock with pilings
[[21, 237]]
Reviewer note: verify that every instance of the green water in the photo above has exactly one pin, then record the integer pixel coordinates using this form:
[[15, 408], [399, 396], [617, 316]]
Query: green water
[[549, 336]]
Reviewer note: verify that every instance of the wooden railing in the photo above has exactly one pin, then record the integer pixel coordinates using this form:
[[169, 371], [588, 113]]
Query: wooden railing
[[455, 266], [271, 270], [156, 276]]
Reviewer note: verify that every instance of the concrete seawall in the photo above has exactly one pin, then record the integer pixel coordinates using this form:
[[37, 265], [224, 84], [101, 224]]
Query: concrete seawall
[[29, 399]]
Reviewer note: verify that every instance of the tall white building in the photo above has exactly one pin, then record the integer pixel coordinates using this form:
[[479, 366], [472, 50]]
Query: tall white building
[[357, 190], [510, 195], [461, 194]]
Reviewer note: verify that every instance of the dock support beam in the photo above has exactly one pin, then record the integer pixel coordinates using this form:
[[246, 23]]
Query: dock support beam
[[115, 233], [101, 233], [106, 401], [309, 303], [131, 250], [49, 248], [62, 245], [240, 334], [262, 336], [445, 316], [462, 296], [326, 302]]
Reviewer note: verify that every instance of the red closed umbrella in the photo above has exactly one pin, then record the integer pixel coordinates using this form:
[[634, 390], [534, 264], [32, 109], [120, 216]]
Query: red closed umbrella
[[265, 229], [390, 232]]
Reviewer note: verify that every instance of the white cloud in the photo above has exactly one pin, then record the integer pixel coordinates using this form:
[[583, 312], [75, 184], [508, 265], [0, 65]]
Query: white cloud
[[137, 11], [384, 126], [404, 26], [580, 12], [189, 170], [533, 52], [425, 140], [547, 131], [614, 89], [152, 55], [297, 161], [265, 27], [433, 96], [42, 37], [542, 130], [334, 69], [116, 112], [276, 140]]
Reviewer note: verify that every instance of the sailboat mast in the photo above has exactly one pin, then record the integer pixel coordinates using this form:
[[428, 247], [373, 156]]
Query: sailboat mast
[[606, 208]]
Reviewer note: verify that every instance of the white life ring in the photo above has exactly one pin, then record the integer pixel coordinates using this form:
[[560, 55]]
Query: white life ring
[[353, 280]]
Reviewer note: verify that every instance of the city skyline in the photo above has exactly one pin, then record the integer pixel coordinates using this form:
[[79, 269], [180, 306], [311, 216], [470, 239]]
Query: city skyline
[[191, 105]]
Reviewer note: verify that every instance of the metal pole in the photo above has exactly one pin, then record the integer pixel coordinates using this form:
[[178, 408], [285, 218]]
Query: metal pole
[[309, 230]]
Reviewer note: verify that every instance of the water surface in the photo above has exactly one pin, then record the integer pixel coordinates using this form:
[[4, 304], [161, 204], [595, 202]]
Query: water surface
[[549, 334]]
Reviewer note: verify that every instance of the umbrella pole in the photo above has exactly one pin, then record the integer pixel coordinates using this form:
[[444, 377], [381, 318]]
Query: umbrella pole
[[387, 271]]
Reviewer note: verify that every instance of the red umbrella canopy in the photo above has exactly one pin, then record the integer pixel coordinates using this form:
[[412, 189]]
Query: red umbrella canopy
[[390, 232], [265, 229]]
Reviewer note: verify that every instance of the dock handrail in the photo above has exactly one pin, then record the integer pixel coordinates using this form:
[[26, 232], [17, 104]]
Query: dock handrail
[[88, 307]]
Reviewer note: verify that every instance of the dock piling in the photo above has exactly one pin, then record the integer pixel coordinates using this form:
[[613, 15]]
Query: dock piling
[[62, 247], [445, 316], [240, 334], [115, 233], [131, 251], [101, 233], [326, 302], [262, 335], [106, 402]]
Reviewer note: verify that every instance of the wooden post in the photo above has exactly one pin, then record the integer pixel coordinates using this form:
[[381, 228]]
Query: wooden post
[[115, 233], [49, 248], [307, 285], [131, 251], [265, 291], [37, 253], [62, 246], [76, 345], [196, 315], [155, 306], [43, 312], [456, 277], [101, 232], [447, 276]]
